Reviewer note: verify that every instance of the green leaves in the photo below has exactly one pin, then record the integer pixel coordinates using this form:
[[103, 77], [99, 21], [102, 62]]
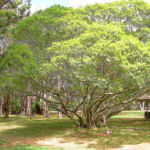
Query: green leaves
[[105, 57], [11, 12], [16, 55], [16, 65], [99, 44], [133, 14]]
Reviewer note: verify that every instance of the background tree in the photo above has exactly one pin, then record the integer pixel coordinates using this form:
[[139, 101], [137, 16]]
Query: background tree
[[11, 11], [57, 23], [15, 64], [44, 27], [131, 14]]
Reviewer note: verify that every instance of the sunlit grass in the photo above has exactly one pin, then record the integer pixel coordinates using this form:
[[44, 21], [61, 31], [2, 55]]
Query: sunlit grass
[[4, 126], [130, 114]]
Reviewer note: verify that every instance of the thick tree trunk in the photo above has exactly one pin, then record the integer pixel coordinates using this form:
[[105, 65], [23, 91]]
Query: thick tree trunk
[[45, 109], [13, 109], [103, 121], [24, 102], [91, 124], [29, 113], [39, 109], [142, 105], [6, 105]]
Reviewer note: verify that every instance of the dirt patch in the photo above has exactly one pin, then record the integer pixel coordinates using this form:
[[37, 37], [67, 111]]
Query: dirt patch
[[60, 142], [143, 146]]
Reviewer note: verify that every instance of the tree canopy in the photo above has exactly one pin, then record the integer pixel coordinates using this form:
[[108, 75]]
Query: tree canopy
[[92, 61], [11, 11]]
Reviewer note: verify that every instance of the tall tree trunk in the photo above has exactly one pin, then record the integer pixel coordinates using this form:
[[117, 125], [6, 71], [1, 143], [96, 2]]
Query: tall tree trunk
[[1, 106], [6, 105], [59, 112], [59, 107], [91, 124], [29, 113], [103, 121], [24, 106], [45, 109], [39, 109], [142, 105]]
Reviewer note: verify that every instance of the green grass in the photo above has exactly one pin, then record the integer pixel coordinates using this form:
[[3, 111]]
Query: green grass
[[21, 133], [130, 114], [28, 147]]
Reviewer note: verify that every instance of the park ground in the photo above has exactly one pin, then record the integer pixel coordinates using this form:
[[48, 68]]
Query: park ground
[[129, 131]]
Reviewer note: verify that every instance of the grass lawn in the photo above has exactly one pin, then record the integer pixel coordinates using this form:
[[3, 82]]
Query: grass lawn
[[21, 133]]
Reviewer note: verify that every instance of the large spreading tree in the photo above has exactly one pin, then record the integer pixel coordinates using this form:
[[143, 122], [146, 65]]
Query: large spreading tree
[[93, 61], [96, 75]]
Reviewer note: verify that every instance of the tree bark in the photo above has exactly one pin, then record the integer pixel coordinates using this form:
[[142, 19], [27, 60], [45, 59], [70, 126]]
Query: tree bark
[[142, 105], [45, 109], [103, 121], [59, 107], [1, 106], [29, 113], [6, 105], [24, 104], [59, 112]]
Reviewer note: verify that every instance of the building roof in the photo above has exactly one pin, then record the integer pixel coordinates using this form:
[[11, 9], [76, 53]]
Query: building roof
[[144, 97]]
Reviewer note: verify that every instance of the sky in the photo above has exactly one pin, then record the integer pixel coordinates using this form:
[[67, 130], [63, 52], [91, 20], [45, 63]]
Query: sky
[[43, 4]]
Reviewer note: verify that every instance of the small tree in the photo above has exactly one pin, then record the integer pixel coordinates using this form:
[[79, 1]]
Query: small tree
[[15, 64]]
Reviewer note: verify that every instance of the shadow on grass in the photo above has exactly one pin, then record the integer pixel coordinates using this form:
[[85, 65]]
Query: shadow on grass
[[21, 130], [27, 147], [33, 128], [124, 132]]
